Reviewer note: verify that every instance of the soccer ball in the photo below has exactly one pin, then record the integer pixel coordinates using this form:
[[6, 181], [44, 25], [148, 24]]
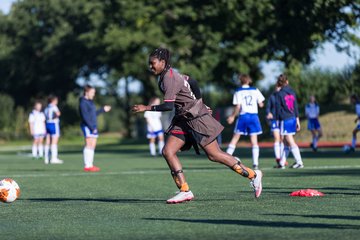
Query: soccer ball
[[9, 190]]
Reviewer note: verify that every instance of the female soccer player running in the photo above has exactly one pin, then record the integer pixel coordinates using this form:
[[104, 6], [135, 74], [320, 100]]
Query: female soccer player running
[[312, 112], [287, 113], [52, 114], [88, 114], [154, 127], [246, 100], [37, 130], [191, 125]]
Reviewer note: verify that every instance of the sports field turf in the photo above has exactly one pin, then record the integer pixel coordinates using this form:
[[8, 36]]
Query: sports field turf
[[126, 200]]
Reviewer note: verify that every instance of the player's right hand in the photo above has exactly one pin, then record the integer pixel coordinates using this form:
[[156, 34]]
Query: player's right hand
[[107, 108]]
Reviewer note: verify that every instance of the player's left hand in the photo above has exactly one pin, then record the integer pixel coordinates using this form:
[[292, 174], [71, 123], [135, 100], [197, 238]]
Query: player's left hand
[[298, 127], [209, 109], [107, 108], [139, 108]]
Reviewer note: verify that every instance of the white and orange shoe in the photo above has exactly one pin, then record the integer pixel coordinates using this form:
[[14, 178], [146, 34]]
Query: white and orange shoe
[[92, 169], [256, 183], [181, 197]]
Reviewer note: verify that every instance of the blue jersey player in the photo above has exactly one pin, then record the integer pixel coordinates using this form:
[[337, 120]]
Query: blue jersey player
[[246, 100], [88, 114], [312, 112], [274, 125], [287, 113], [52, 114]]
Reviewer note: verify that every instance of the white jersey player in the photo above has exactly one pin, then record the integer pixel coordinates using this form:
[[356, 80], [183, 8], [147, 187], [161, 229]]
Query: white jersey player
[[246, 100], [37, 130], [154, 128], [52, 115]]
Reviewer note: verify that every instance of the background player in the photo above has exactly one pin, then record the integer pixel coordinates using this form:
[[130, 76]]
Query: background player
[[154, 127], [37, 130], [287, 113], [312, 112], [274, 125], [354, 99], [52, 114], [191, 125], [246, 100], [88, 114]]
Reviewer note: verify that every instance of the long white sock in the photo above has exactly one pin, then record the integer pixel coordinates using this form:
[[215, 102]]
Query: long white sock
[[231, 149], [41, 150], [88, 157], [296, 153], [161, 146], [314, 142], [34, 150], [277, 150], [255, 155], [152, 149], [46, 152], [54, 151], [284, 154], [353, 142]]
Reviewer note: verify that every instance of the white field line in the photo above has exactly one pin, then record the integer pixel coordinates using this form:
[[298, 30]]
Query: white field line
[[161, 171]]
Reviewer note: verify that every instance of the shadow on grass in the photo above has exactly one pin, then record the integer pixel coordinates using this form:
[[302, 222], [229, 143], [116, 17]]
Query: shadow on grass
[[256, 223], [107, 200], [340, 217]]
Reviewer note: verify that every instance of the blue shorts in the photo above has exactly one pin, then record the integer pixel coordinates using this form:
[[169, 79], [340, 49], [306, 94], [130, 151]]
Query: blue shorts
[[313, 124], [53, 129], [87, 132], [248, 124], [154, 134], [288, 126], [274, 125]]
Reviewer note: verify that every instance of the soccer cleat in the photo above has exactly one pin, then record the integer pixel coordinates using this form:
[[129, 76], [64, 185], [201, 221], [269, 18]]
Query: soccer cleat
[[255, 167], [92, 169], [181, 197], [46, 161], [56, 161], [297, 165], [279, 166], [256, 184]]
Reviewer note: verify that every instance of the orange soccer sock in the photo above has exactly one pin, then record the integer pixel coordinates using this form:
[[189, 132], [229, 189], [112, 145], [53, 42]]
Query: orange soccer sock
[[244, 171], [184, 187]]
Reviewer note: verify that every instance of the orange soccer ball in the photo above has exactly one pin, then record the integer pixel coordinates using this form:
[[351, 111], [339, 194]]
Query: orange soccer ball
[[9, 190]]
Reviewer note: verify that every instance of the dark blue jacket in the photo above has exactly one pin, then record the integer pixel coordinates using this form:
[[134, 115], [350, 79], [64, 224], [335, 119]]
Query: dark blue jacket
[[88, 113], [286, 104], [271, 105]]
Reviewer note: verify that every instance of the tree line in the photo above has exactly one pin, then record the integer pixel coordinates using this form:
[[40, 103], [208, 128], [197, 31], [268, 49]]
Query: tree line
[[46, 46]]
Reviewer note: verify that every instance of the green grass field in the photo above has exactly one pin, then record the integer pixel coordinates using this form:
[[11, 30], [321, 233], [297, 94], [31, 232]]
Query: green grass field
[[126, 200]]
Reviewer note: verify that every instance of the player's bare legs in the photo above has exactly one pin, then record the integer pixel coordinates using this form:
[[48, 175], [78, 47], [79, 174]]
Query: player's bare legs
[[232, 145], [172, 146]]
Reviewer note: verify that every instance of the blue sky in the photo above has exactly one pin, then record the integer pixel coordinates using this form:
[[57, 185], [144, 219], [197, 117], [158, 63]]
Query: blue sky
[[325, 57]]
